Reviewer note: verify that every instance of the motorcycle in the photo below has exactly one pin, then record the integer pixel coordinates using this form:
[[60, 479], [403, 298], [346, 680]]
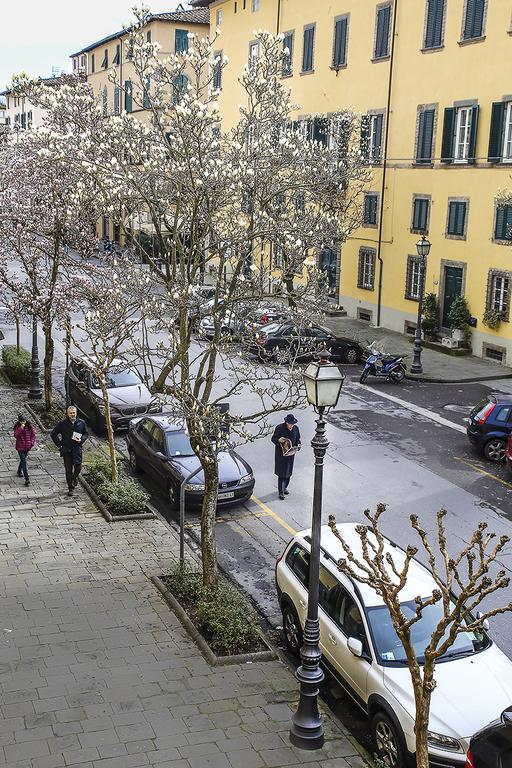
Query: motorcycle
[[379, 364]]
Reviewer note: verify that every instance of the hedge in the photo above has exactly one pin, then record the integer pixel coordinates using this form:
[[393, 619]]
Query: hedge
[[17, 366]]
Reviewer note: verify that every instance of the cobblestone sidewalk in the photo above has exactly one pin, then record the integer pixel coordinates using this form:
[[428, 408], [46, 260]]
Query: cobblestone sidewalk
[[95, 670]]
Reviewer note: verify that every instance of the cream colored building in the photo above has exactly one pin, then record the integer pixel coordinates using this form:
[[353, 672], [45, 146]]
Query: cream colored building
[[20, 113]]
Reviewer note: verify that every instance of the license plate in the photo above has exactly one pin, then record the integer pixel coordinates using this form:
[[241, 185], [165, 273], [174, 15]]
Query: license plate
[[227, 495]]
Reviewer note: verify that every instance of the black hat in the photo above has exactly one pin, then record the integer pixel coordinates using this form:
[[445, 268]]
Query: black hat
[[290, 419]]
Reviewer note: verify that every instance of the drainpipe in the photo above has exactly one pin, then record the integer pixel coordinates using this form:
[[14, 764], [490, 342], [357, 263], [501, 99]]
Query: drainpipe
[[385, 161], [278, 20]]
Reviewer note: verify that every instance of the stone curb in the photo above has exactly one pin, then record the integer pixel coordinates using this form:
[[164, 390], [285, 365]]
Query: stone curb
[[109, 517], [37, 420], [469, 380], [197, 637]]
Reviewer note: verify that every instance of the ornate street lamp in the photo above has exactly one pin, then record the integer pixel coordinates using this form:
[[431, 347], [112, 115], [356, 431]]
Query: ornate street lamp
[[34, 392], [423, 248], [323, 382]]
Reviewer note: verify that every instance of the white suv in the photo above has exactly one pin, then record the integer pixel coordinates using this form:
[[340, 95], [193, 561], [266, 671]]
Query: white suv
[[362, 651]]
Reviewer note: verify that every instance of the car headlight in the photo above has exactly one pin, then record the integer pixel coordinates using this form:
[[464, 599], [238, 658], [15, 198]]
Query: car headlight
[[246, 478], [444, 742], [194, 486]]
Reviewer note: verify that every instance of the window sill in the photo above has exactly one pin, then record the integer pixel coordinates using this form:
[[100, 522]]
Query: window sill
[[472, 40], [454, 237], [418, 231], [376, 59], [432, 49], [366, 287], [420, 164], [369, 226], [336, 67], [286, 75], [307, 72], [412, 298], [502, 242]]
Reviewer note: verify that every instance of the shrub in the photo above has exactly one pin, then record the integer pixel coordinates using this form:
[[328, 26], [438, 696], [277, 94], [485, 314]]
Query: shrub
[[492, 318], [124, 497], [430, 314], [17, 365], [99, 470], [459, 317]]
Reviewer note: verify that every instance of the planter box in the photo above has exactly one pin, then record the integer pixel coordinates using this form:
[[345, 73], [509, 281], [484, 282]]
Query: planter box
[[147, 514], [209, 655]]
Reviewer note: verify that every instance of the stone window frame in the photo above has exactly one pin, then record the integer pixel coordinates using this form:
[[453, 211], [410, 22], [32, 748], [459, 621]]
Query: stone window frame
[[498, 241], [377, 195], [497, 348], [473, 40], [412, 259], [340, 17], [312, 26], [491, 275], [457, 200], [419, 109], [434, 48], [290, 73], [376, 59], [373, 253], [420, 196]]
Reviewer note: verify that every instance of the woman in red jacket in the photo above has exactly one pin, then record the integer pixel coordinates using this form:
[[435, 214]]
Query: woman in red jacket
[[25, 439]]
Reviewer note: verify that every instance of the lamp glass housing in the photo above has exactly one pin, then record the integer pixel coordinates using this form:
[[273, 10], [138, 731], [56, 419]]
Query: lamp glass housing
[[423, 247], [323, 384]]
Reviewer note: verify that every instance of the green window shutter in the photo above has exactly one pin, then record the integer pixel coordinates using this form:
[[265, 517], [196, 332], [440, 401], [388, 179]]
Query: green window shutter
[[377, 147], [360, 269], [320, 130], [339, 57], [382, 37], [370, 209], [92, 62], [307, 51], [448, 135], [286, 68], [181, 40], [128, 102], [179, 86], [420, 214], [425, 136], [503, 228], [435, 18], [473, 133], [456, 218], [451, 218], [365, 136], [494, 153], [366, 216], [474, 22], [145, 96]]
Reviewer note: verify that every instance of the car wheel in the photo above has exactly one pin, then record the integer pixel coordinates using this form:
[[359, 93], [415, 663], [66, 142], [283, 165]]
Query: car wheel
[[350, 356], [292, 630], [388, 742], [364, 376], [173, 495], [134, 464], [281, 355], [494, 450]]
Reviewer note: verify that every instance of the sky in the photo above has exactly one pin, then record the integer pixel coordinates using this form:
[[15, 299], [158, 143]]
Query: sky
[[38, 35]]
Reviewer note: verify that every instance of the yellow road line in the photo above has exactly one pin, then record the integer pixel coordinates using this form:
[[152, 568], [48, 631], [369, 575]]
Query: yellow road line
[[483, 471], [232, 519], [271, 513]]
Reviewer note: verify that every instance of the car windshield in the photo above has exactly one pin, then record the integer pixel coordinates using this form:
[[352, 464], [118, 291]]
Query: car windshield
[[178, 444], [270, 328], [389, 648], [115, 379]]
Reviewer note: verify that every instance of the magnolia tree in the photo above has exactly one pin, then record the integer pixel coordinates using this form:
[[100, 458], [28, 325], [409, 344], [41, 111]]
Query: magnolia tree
[[46, 208], [463, 582], [245, 210]]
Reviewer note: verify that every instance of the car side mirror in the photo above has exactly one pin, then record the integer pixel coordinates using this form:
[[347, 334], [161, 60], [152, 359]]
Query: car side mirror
[[161, 456], [355, 646], [485, 622]]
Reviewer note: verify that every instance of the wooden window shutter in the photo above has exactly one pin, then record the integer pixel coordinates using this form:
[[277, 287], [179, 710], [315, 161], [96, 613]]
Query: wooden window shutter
[[128, 102], [473, 134], [307, 51], [360, 271], [382, 37], [425, 136], [435, 17], [448, 135], [377, 147], [180, 40], [286, 68], [474, 21], [503, 228], [408, 278], [365, 136], [494, 152], [340, 43], [145, 95]]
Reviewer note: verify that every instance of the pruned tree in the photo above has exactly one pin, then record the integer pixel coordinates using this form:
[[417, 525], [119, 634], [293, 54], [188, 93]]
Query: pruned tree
[[463, 582]]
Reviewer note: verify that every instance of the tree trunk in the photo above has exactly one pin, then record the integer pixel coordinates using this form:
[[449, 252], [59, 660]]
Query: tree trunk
[[110, 431], [423, 696], [48, 363], [208, 512], [288, 281], [17, 321]]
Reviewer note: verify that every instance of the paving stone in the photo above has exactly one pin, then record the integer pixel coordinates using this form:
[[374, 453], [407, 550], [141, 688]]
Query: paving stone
[[245, 758]]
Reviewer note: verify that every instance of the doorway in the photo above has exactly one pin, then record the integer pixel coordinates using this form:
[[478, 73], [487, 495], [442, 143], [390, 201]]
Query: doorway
[[328, 263], [452, 288]]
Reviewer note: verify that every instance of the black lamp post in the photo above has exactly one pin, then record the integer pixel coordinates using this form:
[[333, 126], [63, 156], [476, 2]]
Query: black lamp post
[[34, 392], [323, 382], [423, 248]]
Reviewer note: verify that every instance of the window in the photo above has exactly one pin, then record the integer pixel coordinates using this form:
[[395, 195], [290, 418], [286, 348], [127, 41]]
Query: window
[[500, 136], [413, 278], [474, 19], [321, 130], [148, 36], [117, 99], [371, 137], [425, 142], [104, 63], [92, 62], [254, 53], [456, 226], [498, 292], [278, 256], [434, 24], [179, 87], [366, 271], [381, 50], [146, 102], [181, 40], [74, 64], [117, 57], [459, 134], [339, 48], [298, 561], [503, 224], [503, 415], [507, 135], [255, 5], [218, 17], [128, 101], [23, 120], [420, 211], [370, 209], [308, 48], [105, 101], [217, 70], [287, 64]]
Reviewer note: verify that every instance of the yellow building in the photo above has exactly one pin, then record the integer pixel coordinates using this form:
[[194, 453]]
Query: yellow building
[[434, 82], [96, 61]]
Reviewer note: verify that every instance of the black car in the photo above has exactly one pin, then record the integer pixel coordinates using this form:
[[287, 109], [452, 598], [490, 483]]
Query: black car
[[490, 424], [492, 746], [159, 446], [283, 342]]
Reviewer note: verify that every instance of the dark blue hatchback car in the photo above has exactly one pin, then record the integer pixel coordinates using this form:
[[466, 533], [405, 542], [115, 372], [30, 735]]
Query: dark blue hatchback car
[[490, 424]]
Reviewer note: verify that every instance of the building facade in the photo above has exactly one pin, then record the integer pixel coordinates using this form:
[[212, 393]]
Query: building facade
[[20, 113], [429, 80]]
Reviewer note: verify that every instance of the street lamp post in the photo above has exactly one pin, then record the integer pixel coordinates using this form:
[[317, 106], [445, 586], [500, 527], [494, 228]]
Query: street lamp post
[[423, 248], [323, 382], [34, 392]]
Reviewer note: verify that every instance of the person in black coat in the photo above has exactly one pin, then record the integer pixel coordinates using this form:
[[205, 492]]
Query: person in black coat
[[69, 435], [283, 465]]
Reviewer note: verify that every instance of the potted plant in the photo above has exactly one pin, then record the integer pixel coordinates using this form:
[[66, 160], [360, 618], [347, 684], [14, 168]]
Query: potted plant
[[430, 315], [458, 320], [492, 318]]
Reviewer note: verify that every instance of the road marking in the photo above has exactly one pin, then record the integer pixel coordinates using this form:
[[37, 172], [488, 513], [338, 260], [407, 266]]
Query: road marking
[[415, 408], [271, 513], [483, 471], [232, 519]]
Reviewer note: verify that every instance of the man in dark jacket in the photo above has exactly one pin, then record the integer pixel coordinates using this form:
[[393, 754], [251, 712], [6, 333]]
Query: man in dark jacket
[[286, 438], [69, 435]]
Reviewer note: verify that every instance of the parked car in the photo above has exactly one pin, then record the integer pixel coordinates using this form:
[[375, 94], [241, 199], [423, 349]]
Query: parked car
[[284, 342], [228, 325], [492, 746], [508, 453], [128, 395], [265, 313], [160, 446], [490, 424], [362, 651]]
